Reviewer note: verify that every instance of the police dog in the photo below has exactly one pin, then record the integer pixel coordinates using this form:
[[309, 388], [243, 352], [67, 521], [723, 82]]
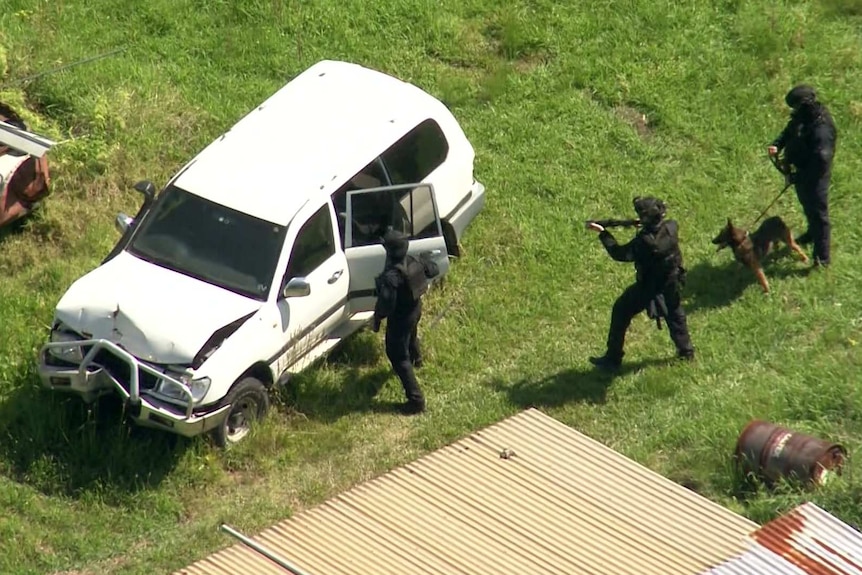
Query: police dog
[[750, 249]]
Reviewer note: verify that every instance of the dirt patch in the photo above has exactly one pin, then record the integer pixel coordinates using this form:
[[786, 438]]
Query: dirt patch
[[529, 62], [638, 120], [463, 48]]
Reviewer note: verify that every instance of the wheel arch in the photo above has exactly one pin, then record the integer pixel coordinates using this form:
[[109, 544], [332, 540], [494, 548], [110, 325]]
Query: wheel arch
[[260, 371], [451, 238]]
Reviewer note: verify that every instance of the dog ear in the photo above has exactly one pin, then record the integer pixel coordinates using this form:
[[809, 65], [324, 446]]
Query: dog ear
[[729, 223]]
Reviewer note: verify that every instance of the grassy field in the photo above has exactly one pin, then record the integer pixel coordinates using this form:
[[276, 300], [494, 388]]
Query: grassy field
[[572, 110]]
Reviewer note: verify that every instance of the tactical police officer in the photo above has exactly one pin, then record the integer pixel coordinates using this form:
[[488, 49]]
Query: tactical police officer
[[808, 142], [399, 300], [659, 277]]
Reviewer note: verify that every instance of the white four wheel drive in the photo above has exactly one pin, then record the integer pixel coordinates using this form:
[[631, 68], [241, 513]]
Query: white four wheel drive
[[260, 254]]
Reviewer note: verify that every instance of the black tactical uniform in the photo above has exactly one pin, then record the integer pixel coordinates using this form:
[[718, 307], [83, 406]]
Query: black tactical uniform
[[399, 299], [808, 142], [659, 277]]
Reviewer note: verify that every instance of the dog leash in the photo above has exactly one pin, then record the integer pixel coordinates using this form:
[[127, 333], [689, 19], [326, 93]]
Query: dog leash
[[788, 180], [781, 193]]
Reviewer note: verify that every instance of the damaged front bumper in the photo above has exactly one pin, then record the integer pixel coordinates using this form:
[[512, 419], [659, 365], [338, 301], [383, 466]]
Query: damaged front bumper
[[93, 378]]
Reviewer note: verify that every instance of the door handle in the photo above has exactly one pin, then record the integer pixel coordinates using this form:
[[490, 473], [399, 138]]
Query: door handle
[[432, 253], [334, 277]]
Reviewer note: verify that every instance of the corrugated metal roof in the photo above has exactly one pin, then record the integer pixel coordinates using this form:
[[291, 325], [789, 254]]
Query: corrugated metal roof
[[526, 495], [807, 540]]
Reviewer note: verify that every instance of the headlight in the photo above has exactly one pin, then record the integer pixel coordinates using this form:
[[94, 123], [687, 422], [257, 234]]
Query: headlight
[[198, 387], [71, 353]]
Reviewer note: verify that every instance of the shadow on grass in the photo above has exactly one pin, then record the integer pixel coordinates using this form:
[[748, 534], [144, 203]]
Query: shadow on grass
[[709, 286], [359, 350], [754, 489], [61, 446], [15, 227], [327, 404], [586, 385], [355, 380], [746, 487]]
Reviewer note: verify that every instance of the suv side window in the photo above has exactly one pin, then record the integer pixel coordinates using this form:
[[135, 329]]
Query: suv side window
[[314, 245], [418, 153]]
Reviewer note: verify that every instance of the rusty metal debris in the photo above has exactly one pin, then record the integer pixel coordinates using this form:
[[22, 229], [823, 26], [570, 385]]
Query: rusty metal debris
[[25, 177], [806, 540], [772, 453]]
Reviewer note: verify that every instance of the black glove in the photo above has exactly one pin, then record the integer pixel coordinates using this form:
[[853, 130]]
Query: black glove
[[375, 327]]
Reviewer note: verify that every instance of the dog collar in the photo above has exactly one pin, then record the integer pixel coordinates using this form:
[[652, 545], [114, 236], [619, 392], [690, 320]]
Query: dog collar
[[739, 243]]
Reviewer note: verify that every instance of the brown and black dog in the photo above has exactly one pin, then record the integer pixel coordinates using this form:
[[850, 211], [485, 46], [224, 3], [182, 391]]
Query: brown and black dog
[[749, 249]]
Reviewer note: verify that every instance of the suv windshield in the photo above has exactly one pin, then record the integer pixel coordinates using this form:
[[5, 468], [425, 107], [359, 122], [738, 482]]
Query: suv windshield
[[210, 242]]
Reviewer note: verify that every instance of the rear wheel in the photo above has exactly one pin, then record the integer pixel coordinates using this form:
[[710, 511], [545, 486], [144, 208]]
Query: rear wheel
[[249, 402]]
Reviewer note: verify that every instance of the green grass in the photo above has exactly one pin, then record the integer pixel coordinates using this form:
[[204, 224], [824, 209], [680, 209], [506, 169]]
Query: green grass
[[572, 110]]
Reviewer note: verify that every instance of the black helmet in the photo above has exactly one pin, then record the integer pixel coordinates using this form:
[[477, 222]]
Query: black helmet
[[801, 95], [650, 210], [396, 244]]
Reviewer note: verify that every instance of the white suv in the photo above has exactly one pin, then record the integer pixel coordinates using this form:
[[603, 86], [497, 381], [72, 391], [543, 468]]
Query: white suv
[[259, 256]]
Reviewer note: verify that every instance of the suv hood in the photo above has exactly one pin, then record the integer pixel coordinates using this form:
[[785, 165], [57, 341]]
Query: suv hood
[[154, 313]]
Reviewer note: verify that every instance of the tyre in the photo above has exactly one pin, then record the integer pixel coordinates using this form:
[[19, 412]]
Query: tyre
[[249, 402]]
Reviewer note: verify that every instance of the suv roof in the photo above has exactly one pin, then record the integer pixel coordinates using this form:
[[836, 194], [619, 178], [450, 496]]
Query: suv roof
[[309, 137]]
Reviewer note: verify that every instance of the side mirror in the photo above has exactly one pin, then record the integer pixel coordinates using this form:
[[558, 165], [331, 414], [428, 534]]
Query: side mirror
[[296, 287], [147, 188], [123, 222]]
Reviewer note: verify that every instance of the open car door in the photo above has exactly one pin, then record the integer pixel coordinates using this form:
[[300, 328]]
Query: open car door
[[408, 208]]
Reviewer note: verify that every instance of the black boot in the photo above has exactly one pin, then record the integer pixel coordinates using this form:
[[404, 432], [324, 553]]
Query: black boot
[[413, 407], [606, 362], [685, 355], [804, 239]]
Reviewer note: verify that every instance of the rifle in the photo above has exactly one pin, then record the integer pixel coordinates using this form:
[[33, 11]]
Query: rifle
[[614, 223]]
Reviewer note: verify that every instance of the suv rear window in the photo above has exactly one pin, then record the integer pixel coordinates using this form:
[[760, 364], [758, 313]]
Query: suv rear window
[[418, 153]]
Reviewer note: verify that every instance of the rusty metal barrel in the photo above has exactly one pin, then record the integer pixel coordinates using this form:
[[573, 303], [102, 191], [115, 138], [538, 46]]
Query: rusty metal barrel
[[772, 452]]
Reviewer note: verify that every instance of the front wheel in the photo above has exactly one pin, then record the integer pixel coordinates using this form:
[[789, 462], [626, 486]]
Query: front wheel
[[249, 402]]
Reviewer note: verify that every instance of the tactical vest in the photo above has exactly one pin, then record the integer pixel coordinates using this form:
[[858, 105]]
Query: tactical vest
[[654, 269], [414, 275], [798, 146], [801, 145]]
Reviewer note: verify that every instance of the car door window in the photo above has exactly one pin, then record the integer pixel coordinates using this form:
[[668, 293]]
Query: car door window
[[365, 259], [371, 176], [418, 153], [314, 245], [410, 209]]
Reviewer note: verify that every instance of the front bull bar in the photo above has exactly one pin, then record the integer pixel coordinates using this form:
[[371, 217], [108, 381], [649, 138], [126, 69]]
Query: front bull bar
[[133, 395]]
